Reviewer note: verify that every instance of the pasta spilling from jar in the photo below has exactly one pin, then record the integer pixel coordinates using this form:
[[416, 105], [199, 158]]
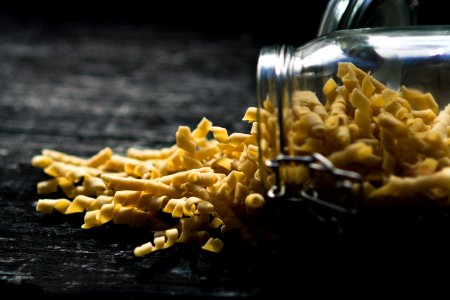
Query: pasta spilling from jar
[[397, 140], [198, 181]]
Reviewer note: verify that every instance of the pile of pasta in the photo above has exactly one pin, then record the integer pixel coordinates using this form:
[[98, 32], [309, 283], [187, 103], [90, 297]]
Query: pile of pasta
[[197, 181], [397, 140]]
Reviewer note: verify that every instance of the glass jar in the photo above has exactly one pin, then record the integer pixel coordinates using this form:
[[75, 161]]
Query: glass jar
[[350, 14], [413, 57]]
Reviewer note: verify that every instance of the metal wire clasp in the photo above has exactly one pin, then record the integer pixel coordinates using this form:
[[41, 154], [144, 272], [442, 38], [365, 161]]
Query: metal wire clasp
[[329, 187]]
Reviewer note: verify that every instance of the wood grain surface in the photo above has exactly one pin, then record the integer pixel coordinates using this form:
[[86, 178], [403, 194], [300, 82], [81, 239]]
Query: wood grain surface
[[78, 88]]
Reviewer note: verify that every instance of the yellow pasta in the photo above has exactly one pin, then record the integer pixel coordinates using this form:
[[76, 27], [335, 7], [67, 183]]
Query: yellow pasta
[[202, 179], [250, 114], [162, 242], [48, 205], [41, 161], [181, 180], [47, 186], [220, 134], [396, 140], [146, 154], [363, 113], [367, 127], [207, 152], [185, 140], [254, 202], [213, 245], [202, 129], [63, 157], [237, 139], [151, 186], [99, 158]]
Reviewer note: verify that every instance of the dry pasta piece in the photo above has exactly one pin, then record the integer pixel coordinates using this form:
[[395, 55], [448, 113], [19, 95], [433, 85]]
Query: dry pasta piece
[[202, 129], [63, 157], [150, 202], [338, 109], [67, 187], [354, 153], [80, 204], [392, 124], [240, 193], [312, 124], [419, 100], [220, 134], [48, 205], [144, 168], [185, 140], [411, 186], [425, 167], [254, 202], [101, 157], [427, 116], [223, 163], [343, 136], [41, 161], [179, 178], [344, 68], [151, 186], [117, 163], [250, 114], [173, 163], [190, 162], [123, 215], [47, 186], [175, 207], [202, 179], [72, 172], [329, 90], [191, 189], [127, 198], [207, 152], [98, 217], [93, 185], [368, 88], [160, 242], [146, 154], [192, 229], [363, 112], [214, 245], [237, 139]]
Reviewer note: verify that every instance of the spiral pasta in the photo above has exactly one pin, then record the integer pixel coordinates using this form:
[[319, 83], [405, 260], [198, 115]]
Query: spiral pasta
[[197, 181], [397, 140]]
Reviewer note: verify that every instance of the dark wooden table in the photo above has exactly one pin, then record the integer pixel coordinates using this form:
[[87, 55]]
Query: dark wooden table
[[79, 87]]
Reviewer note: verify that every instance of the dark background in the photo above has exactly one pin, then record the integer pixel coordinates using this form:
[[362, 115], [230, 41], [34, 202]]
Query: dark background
[[275, 22], [272, 23], [77, 77]]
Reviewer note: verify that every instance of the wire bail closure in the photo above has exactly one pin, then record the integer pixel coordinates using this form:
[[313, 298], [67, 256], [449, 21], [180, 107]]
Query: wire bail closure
[[329, 187], [337, 181]]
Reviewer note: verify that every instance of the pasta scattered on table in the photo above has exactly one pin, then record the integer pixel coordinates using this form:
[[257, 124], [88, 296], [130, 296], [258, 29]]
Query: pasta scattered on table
[[397, 140], [196, 181]]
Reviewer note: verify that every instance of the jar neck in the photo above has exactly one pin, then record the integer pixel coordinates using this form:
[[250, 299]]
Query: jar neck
[[274, 81]]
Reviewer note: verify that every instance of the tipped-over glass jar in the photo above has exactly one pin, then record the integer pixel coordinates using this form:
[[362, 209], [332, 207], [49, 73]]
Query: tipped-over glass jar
[[342, 114]]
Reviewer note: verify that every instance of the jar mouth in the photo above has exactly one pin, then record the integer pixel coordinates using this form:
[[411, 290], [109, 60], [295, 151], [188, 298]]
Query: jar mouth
[[277, 66], [274, 81]]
